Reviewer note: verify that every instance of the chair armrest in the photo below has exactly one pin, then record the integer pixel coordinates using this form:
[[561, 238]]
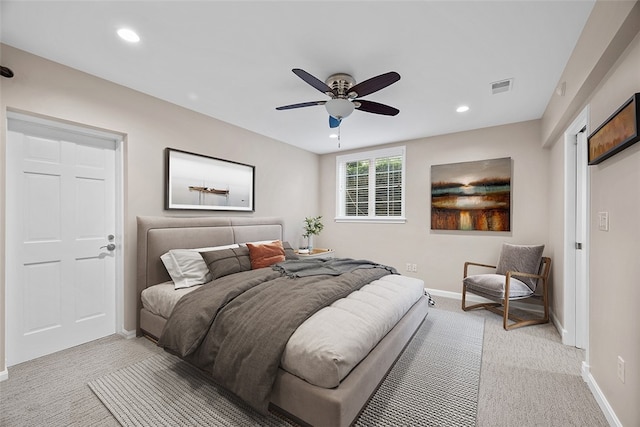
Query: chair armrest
[[469, 263]]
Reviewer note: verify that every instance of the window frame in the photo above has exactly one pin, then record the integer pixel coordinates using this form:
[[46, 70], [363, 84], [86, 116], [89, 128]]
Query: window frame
[[371, 156]]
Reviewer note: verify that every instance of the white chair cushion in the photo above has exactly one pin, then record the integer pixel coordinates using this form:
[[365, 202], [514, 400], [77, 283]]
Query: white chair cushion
[[492, 285]]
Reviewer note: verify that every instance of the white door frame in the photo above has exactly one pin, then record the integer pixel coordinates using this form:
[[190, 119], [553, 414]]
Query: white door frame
[[119, 140], [576, 292]]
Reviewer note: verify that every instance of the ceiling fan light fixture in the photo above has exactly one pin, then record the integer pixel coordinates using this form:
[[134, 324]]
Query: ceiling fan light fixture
[[339, 108]]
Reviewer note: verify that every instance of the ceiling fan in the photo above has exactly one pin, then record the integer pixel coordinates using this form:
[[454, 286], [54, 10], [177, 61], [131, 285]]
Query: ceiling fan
[[345, 95]]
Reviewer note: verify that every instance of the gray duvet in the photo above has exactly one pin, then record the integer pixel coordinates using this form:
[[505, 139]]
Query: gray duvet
[[237, 327]]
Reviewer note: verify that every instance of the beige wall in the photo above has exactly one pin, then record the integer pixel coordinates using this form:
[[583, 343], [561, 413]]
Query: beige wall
[[440, 255], [46, 88], [613, 259], [603, 72]]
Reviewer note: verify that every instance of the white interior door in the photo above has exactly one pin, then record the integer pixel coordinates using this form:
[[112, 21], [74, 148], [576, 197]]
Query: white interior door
[[581, 266], [575, 276], [61, 212]]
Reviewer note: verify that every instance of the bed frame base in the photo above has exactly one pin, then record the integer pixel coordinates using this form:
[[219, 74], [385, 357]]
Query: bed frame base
[[291, 395], [340, 406], [317, 406]]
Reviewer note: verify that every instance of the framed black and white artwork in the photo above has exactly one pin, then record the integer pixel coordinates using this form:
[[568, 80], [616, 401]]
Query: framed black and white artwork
[[196, 181]]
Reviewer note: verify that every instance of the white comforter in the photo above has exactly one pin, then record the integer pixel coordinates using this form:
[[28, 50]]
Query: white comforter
[[328, 345]]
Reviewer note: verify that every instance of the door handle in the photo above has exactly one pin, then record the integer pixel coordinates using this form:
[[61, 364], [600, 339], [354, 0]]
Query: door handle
[[110, 247]]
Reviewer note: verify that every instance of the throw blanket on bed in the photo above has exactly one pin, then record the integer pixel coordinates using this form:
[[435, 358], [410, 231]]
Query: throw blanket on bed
[[237, 326], [330, 266]]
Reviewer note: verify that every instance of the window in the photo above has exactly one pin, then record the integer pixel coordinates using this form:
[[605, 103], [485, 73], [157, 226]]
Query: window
[[371, 186]]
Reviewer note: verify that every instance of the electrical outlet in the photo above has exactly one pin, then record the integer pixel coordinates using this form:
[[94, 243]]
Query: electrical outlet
[[414, 268], [408, 266], [621, 369]]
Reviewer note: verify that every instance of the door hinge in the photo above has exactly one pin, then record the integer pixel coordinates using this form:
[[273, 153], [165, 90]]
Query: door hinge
[[578, 245]]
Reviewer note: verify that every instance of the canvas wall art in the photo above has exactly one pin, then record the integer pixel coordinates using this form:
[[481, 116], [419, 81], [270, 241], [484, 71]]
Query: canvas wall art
[[617, 133], [195, 181], [471, 196]]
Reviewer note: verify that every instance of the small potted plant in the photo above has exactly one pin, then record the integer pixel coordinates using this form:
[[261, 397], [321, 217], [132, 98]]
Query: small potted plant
[[312, 227]]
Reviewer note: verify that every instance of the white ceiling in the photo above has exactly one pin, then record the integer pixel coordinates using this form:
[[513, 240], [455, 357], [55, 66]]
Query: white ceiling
[[232, 60]]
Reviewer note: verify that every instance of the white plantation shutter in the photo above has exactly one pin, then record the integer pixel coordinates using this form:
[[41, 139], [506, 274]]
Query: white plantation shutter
[[357, 188], [371, 186]]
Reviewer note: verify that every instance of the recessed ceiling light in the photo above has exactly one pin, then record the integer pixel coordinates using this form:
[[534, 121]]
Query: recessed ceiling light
[[462, 109], [333, 135], [128, 35]]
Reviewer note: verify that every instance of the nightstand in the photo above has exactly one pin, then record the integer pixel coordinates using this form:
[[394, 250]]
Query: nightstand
[[317, 253]]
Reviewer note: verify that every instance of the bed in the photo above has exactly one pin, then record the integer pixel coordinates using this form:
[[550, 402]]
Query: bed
[[296, 398]]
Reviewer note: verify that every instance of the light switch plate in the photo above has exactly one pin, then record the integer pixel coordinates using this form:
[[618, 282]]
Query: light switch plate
[[603, 221]]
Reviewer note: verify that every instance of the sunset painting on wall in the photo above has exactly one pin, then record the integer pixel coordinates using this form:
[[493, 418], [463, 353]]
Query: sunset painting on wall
[[471, 196]]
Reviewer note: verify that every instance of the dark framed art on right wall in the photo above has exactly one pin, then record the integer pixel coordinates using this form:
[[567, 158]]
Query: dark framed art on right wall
[[618, 132]]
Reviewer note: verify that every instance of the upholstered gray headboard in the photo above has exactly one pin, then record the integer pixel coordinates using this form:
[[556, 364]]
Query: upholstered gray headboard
[[157, 235]]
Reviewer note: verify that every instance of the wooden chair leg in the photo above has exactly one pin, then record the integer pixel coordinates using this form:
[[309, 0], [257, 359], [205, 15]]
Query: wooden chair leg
[[464, 296], [486, 305], [505, 315]]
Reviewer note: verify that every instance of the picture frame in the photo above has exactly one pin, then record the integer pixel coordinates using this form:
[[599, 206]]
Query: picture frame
[[472, 196], [618, 132], [200, 182]]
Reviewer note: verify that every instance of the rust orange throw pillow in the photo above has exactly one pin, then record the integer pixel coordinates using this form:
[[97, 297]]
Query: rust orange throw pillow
[[265, 254]]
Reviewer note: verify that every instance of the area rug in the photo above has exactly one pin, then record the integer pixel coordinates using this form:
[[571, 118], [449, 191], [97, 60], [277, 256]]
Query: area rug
[[433, 383]]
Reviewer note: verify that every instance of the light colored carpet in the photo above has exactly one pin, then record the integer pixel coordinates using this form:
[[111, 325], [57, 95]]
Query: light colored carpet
[[52, 390], [528, 378], [434, 383]]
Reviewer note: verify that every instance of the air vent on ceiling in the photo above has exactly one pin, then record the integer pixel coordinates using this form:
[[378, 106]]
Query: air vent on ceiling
[[501, 86]]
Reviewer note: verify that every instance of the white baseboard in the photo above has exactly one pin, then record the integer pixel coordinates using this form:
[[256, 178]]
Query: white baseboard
[[4, 375], [476, 298], [607, 410], [127, 334], [560, 328], [585, 371], [445, 294], [455, 295]]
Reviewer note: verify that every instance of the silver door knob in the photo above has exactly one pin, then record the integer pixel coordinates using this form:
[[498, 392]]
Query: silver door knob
[[110, 247]]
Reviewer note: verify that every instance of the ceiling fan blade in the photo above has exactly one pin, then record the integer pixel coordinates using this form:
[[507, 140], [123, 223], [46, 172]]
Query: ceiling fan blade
[[300, 105], [313, 81], [374, 84], [6, 72], [333, 122], [376, 108]]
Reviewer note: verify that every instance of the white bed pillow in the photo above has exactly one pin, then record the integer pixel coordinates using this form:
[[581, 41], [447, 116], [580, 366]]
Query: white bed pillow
[[186, 266]]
